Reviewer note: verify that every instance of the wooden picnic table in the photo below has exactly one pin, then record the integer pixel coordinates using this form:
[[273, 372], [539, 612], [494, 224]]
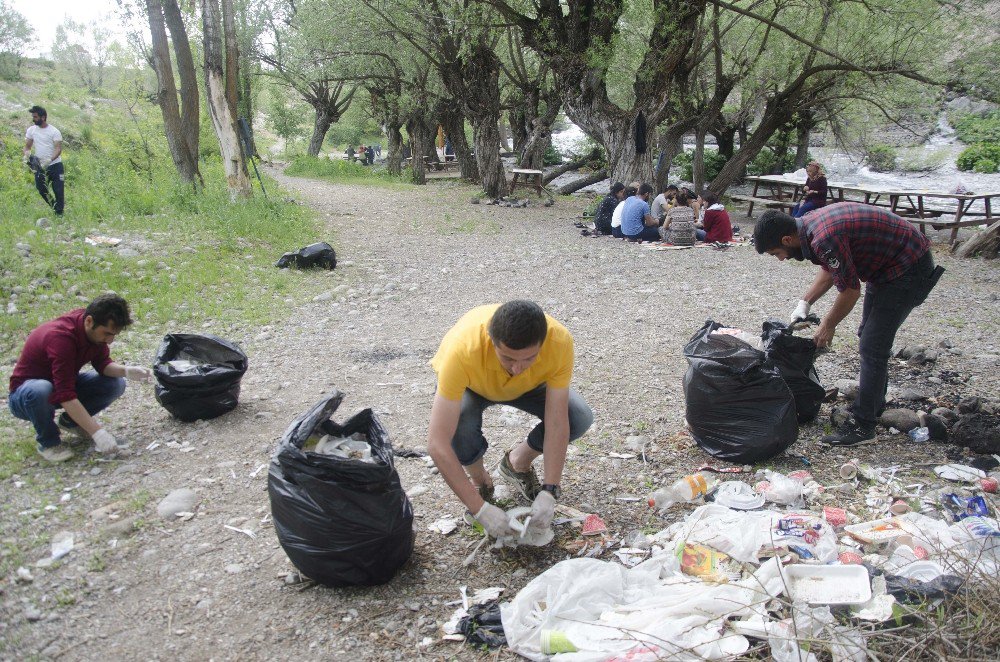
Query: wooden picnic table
[[968, 209]]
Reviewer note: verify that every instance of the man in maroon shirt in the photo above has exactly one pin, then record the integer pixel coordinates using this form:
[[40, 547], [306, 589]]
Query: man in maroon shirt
[[47, 376], [853, 242]]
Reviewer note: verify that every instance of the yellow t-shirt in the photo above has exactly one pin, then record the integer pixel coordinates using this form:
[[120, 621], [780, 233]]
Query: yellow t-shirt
[[467, 359]]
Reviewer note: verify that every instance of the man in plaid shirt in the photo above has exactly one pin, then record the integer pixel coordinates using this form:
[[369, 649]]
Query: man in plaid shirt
[[854, 242]]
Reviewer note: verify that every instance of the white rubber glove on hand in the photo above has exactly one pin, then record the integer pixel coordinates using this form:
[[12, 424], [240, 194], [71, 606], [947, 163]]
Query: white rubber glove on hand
[[494, 520], [105, 441], [801, 311], [542, 510], [138, 373]]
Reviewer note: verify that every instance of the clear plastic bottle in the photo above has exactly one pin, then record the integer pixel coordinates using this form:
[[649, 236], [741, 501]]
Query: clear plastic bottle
[[687, 488], [920, 434]]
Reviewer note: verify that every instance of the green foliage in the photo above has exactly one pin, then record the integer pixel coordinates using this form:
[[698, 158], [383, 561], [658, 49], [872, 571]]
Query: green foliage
[[978, 129], [982, 157], [286, 120], [713, 164], [880, 158], [767, 162], [15, 36], [551, 156]]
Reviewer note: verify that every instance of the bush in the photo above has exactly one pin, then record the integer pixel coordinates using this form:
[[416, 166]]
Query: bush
[[713, 164], [987, 166], [338, 170], [551, 156], [975, 129], [880, 158], [971, 157], [766, 162]]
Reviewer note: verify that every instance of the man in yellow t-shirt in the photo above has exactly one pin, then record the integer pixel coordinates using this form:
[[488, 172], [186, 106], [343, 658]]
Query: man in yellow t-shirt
[[515, 355]]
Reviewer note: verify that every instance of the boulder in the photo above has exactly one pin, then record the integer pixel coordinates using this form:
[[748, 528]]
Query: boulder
[[903, 420], [949, 415], [936, 427]]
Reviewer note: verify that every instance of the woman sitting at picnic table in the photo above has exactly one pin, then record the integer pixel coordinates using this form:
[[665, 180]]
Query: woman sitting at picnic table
[[678, 228], [716, 225], [815, 190]]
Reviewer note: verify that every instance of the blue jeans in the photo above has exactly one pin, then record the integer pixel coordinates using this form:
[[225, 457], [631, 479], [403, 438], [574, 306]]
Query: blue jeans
[[469, 443], [30, 402], [648, 233], [803, 208], [700, 234], [885, 309]]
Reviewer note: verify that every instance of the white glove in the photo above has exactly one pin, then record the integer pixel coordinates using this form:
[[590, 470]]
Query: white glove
[[105, 441], [542, 510], [801, 311], [494, 521], [138, 373]]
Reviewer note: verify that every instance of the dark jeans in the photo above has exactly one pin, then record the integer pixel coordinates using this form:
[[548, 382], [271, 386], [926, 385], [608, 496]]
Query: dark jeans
[[804, 207], [616, 232], [649, 233], [886, 306], [469, 443], [55, 176], [30, 402]]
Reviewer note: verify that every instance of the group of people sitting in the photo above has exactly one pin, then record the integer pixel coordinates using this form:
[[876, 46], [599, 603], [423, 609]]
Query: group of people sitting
[[365, 155], [677, 215]]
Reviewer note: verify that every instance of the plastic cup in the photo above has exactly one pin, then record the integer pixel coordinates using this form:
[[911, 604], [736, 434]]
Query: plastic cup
[[556, 641], [900, 507], [849, 470]]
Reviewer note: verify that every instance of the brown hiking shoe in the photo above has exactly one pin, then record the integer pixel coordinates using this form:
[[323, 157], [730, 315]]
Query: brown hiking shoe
[[526, 482]]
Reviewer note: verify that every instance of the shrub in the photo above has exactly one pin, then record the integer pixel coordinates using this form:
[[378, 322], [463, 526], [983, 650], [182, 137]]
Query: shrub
[[975, 129], [551, 156], [766, 162], [972, 155], [985, 166], [880, 158], [713, 164]]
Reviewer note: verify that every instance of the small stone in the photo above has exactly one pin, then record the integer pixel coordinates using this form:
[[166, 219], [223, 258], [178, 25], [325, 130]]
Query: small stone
[[848, 388], [911, 394], [936, 426], [178, 501], [32, 614], [969, 405], [292, 578], [932, 355], [948, 415], [840, 416], [234, 568], [474, 201], [128, 252], [903, 420], [946, 344], [325, 296], [43, 222], [24, 576], [636, 442]]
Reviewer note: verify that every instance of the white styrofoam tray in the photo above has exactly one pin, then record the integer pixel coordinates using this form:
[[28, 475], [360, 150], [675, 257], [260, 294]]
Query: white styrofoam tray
[[828, 584]]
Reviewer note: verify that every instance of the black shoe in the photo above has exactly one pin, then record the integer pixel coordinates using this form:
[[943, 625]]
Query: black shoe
[[851, 434]]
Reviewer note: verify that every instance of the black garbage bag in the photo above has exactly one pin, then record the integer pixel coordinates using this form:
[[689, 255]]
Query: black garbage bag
[[738, 407], [198, 376], [342, 522], [794, 357], [482, 625], [314, 255], [912, 590]]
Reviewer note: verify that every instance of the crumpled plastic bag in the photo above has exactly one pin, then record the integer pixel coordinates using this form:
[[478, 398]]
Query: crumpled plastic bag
[[482, 625], [583, 610]]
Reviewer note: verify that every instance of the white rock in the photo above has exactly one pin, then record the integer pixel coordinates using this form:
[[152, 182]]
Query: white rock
[[178, 501]]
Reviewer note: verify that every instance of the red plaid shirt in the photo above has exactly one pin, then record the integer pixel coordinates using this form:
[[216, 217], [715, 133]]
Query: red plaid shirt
[[855, 242]]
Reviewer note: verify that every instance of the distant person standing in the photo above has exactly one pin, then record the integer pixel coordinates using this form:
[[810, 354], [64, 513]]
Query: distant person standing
[[46, 140]]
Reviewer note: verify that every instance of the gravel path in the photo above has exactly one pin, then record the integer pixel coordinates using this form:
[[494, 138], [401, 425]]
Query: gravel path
[[412, 261]]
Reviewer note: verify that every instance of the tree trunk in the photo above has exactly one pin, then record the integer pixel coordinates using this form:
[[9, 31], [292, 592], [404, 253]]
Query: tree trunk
[[569, 167], [232, 56], [506, 135], [750, 146], [394, 162], [578, 184], [616, 133], [671, 144], [321, 124], [190, 104], [218, 106], [166, 95], [454, 126], [486, 136], [803, 128], [985, 243], [420, 139], [698, 163], [725, 138]]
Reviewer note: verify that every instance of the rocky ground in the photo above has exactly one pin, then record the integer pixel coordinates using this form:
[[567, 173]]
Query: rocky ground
[[217, 585]]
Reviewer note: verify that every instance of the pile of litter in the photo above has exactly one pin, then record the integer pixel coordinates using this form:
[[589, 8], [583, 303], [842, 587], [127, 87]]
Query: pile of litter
[[776, 564], [355, 447]]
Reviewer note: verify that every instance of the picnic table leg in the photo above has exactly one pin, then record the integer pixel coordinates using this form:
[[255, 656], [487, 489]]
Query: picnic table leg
[[756, 185], [538, 185], [920, 212], [958, 217]]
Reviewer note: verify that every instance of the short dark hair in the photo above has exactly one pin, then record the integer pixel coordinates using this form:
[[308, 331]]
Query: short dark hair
[[682, 197], [670, 187], [518, 324], [772, 225], [616, 187], [109, 308], [629, 191], [645, 189], [710, 198], [38, 110]]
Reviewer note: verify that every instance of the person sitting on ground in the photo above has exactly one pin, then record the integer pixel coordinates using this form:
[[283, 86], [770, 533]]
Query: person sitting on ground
[[716, 225], [663, 202], [47, 376], [616, 216], [814, 191], [602, 217], [678, 228], [637, 223], [512, 354], [349, 153]]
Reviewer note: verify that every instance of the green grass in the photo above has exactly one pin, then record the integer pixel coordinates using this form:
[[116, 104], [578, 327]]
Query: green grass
[[345, 172]]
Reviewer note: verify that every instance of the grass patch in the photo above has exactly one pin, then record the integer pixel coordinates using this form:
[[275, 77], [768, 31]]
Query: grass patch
[[18, 446], [345, 172]]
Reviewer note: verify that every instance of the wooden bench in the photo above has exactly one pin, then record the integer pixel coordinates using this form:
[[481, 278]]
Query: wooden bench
[[767, 202], [527, 178]]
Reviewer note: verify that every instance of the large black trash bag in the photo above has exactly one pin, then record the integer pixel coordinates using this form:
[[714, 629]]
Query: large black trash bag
[[342, 522], [198, 376], [314, 255], [738, 407], [794, 357]]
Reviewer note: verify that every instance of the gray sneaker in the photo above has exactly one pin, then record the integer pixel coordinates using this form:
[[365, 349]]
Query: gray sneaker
[[526, 482], [69, 428], [57, 453]]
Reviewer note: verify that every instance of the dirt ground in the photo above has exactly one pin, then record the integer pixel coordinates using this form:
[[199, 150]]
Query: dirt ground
[[136, 586]]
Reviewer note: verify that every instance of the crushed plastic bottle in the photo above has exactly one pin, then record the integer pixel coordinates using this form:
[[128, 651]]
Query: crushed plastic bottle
[[920, 434], [687, 488]]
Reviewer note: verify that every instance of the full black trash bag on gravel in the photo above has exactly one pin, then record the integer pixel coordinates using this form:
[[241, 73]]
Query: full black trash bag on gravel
[[794, 357], [314, 255], [342, 522], [739, 408], [198, 376]]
